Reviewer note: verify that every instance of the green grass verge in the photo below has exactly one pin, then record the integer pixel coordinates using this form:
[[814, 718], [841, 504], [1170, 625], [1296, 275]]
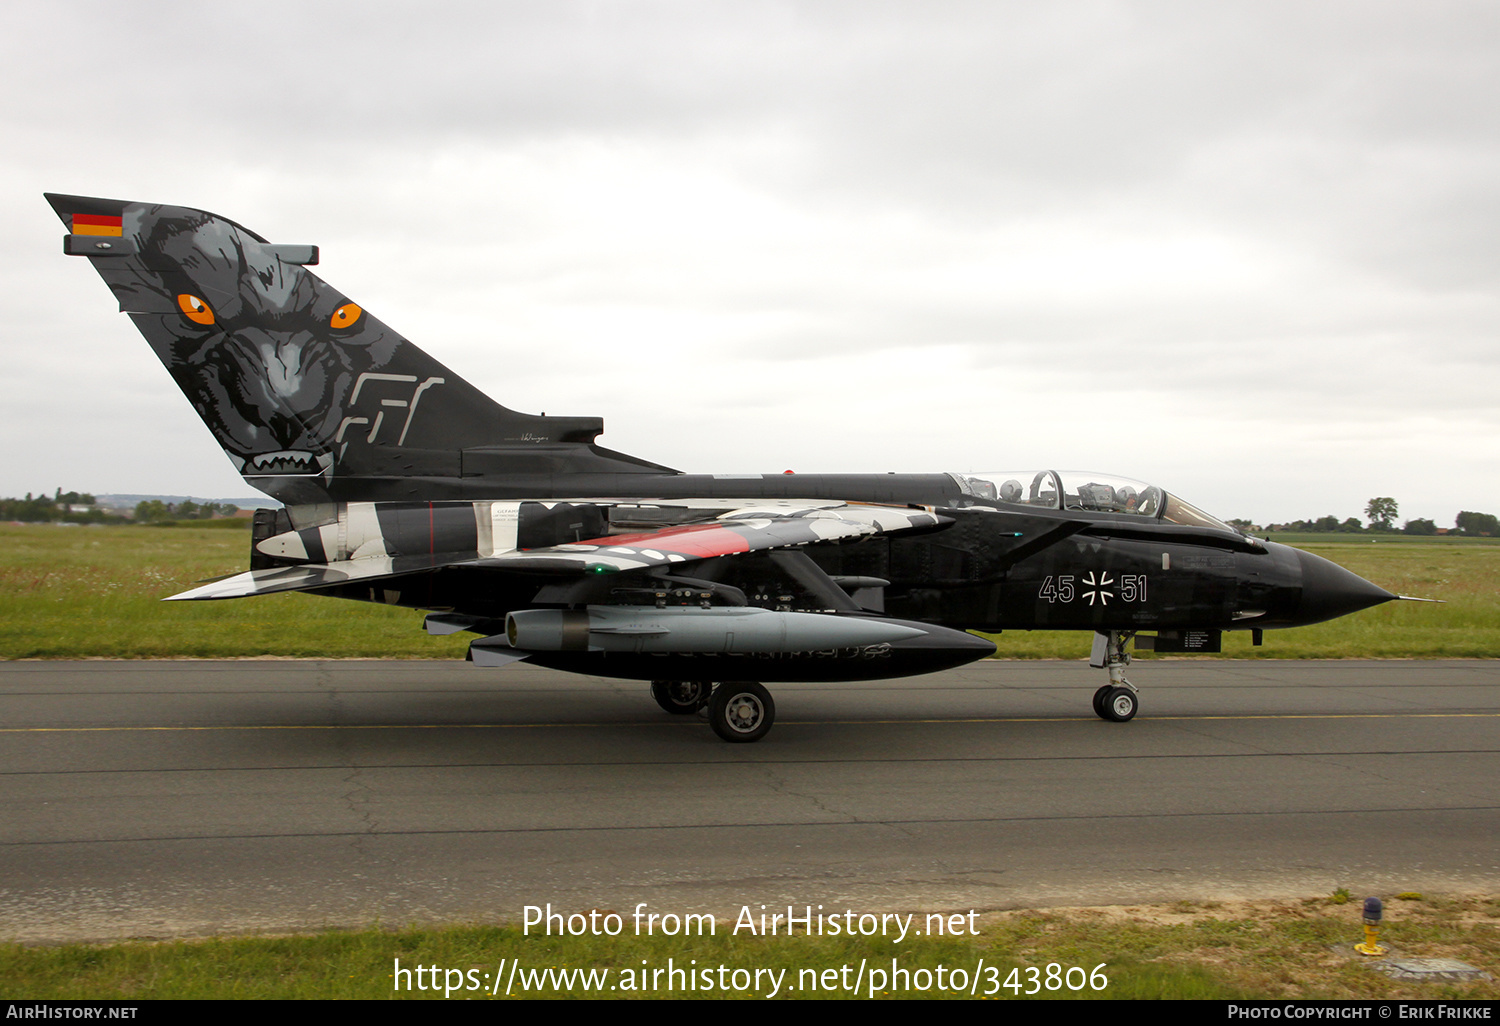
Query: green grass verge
[[68, 593], [1281, 950], [82, 592], [1303, 539]]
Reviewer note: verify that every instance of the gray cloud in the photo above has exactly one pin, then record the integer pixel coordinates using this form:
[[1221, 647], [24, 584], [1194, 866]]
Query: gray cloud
[[978, 231]]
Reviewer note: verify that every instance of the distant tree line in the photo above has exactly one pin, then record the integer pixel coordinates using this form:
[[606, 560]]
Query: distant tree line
[[82, 508], [154, 511], [1382, 511], [1329, 524], [59, 507]]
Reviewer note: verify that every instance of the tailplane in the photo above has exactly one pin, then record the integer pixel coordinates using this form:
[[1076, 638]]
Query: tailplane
[[310, 396]]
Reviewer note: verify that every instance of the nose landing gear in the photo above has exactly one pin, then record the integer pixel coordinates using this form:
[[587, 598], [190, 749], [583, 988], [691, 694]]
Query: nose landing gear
[[1118, 700]]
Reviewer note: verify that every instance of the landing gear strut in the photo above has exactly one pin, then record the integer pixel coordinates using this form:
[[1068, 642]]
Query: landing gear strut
[[1118, 700]]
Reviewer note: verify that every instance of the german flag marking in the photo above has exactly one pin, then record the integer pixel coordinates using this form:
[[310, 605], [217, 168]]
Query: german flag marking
[[98, 224]]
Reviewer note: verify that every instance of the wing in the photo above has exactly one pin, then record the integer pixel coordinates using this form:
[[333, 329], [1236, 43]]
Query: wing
[[753, 529], [309, 576], [736, 531]]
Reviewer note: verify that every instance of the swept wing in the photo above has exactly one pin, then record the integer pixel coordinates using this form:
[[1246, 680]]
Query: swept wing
[[739, 530]]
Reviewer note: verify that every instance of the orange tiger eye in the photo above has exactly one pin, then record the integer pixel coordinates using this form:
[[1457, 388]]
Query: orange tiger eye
[[195, 309], [345, 316]]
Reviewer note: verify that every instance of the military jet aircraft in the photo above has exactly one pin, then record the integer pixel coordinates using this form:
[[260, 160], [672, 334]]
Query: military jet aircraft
[[405, 485]]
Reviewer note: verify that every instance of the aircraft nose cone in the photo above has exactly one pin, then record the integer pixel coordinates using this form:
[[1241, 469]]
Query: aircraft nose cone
[[1330, 591]]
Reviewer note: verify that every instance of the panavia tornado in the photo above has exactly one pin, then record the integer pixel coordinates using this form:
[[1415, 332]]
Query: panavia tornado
[[403, 484]]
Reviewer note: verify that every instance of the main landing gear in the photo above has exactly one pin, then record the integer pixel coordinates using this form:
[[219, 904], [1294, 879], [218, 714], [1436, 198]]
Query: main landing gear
[[681, 697], [738, 711], [1116, 701]]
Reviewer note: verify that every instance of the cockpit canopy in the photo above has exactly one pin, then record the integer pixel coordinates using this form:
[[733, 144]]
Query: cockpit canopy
[[1085, 490]]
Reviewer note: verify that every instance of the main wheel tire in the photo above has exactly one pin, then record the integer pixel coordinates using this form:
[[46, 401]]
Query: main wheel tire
[[681, 697], [1120, 705], [1099, 697], [741, 712]]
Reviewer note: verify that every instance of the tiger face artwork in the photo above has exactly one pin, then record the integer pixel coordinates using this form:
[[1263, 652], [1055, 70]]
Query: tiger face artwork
[[270, 356]]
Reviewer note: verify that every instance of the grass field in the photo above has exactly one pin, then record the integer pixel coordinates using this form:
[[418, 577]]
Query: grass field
[[1303, 539], [1281, 950], [80, 592]]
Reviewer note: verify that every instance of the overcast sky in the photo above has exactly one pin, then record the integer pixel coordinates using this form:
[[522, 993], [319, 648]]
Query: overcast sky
[[1246, 251]]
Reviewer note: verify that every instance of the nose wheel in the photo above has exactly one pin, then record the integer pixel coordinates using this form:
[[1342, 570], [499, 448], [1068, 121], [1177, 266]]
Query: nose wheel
[[1118, 700], [1099, 697], [1116, 704]]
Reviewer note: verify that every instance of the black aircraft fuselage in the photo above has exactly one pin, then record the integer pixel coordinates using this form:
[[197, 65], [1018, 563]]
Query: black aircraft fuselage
[[1023, 569]]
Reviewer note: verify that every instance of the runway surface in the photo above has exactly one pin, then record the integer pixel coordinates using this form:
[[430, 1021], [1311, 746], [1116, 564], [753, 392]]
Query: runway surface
[[177, 798]]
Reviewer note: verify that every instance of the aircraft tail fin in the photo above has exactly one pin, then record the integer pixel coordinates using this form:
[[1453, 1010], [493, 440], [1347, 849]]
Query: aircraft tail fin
[[308, 394]]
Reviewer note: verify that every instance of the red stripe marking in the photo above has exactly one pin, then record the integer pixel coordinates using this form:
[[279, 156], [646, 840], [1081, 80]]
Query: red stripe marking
[[101, 219], [701, 540]]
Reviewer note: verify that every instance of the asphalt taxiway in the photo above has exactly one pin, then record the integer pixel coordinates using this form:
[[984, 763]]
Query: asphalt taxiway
[[184, 797]]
